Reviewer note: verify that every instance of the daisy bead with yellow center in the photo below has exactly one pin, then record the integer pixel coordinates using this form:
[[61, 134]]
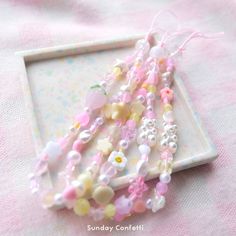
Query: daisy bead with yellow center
[[118, 160]]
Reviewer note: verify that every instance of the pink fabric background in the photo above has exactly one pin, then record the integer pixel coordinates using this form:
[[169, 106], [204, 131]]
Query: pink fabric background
[[202, 200]]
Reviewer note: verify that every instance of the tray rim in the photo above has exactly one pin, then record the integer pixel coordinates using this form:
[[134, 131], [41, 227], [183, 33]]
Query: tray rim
[[103, 45]]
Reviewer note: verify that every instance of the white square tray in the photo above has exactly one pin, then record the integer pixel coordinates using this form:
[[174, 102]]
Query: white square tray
[[55, 82]]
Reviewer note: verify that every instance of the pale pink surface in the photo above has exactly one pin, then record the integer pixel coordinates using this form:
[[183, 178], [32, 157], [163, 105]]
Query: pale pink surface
[[201, 201]]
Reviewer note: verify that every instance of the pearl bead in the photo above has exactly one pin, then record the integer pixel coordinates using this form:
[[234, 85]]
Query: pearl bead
[[123, 144], [53, 150], [173, 147], [150, 108], [104, 179], [99, 121], [165, 178], [152, 140], [85, 136], [157, 52], [58, 198], [141, 98], [149, 203], [151, 96], [144, 149], [74, 155]]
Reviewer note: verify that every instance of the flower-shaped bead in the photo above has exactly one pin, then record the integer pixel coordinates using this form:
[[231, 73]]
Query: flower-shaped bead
[[167, 93], [118, 160], [105, 146], [138, 187]]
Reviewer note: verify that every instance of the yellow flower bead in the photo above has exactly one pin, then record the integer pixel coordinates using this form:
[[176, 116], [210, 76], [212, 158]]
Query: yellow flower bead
[[109, 211], [135, 117], [167, 107], [152, 89], [87, 180], [82, 207]]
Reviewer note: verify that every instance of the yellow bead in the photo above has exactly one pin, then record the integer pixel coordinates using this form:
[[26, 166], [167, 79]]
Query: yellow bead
[[82, 207], [117, 72], [144, 85], [87, 180], [103, 194], [77, 125], [167, 107], [137, 107], [135, 117], [109, 211], [152, 89]]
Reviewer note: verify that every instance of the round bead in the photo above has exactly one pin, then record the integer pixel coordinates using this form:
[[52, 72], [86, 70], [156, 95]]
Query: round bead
[[86, 180], [123, 144], [53, 150], [168, 116], [165, 178], [142, 168], [109, 211], [144, 149], [58, 198], [103, 194], [173, 147], [104, 179], [83, 119], [82, 207], [151, 96], [152, 140], [74, 155], [161, 188], [69, 193], [78, 146], [139, 206], [157, 52], [99, 121], [141, 98], [149, 203]]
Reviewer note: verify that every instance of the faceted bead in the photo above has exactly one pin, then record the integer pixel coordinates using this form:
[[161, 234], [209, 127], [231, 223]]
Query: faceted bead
[[108, 169], [82, 207], [109, 211], [95, 99]]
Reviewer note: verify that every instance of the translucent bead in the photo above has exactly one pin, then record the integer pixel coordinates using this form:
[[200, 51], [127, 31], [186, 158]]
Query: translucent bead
[[53, 150], [158, 52], [109, 211], [108, 169], [83, 118], [144, 149], [82, 207], [95, 99]]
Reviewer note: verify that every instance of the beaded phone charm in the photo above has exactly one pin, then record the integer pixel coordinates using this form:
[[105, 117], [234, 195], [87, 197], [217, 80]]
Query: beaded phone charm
[[148, 75]]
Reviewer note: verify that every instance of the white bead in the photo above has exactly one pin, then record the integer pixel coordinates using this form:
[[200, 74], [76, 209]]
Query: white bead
[[74, 155], [157, 52], [124, 88], [152, 140], [151, 96], [124, 144], [150, 108], [53, 150], [141, 98], [161, 202], [165, 178], [149, 203], [58, 198], [104, 179], [173, 147], [85, 136], [99, 121], [168, 116], [144, 149], [142, 168]]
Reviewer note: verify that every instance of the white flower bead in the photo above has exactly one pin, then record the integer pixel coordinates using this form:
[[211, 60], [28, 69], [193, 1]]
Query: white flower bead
[[165, 178], [53, 150], [144, 149], [118, 160]]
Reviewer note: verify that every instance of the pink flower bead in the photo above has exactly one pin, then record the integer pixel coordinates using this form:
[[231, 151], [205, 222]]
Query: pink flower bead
[[83, 118], [78, 146], [161, 188], [167, 93], [69, 193]]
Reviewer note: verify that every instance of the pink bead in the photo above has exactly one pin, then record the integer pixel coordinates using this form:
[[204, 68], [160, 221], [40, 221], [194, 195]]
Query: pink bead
[[78, 146], [83, 118], [126, 97], [166, 155], [161, 188], [141, 91], [69, 193], [62, 141], [98, 158], [152, 78], [123, 205], [95, 99], [131, 124], [139, 206], [119, 217], [150, 115]]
